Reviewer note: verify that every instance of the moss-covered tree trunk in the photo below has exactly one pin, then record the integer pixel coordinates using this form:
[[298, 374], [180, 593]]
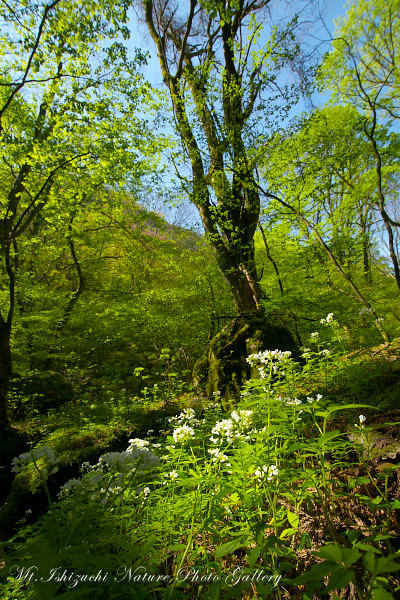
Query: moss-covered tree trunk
[[222, 370], [214, 91]]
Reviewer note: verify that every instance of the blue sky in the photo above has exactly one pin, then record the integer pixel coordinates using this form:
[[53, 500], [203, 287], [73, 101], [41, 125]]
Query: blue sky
[[315, 35]]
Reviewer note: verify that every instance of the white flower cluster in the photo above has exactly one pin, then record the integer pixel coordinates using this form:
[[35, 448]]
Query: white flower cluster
[[171, 476], [113, 473], [314, 335], [306, 352], [329, 319], [273, 358], [133, 459], [266, 472], [219, 456], [47, 466], [145, 445], [183, 434], [289, 401], [186, 417], [267, 355], [138, 443], [141, 495], [212, 405], [238, 427], [312, 400]]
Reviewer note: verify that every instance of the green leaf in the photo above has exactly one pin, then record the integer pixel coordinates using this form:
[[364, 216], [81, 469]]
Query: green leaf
[[293, 519], [381, 594], [339, 579], [229, 547], [331, 552], [253, 555]]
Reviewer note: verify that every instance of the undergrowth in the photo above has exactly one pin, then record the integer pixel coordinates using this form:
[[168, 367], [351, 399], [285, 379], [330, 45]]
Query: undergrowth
[[295, 494]]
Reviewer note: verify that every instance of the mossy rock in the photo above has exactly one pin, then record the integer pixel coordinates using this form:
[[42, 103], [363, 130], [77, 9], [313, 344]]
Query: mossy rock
[[12, 444], [222, 370], [40, 392]]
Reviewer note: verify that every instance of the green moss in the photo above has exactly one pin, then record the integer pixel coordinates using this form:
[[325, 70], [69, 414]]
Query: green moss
[[223, 369]]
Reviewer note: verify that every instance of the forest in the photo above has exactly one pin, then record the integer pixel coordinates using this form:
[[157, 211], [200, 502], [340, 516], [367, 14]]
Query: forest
[[199, 299]]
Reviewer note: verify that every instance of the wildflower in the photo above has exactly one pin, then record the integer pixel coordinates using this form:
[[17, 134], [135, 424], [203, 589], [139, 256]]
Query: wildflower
[[171, 476], [268, 355], [314, 335], [23, 460], [223, 429], [311, 400], [212, 405], [325, 352], [306, 352], [291, 401], [266, 472], [362, 418], [328, 319], [243, 417], [218, 456], [142, 444], [142, 495], [183, 434], [68, 487], [186, 417]]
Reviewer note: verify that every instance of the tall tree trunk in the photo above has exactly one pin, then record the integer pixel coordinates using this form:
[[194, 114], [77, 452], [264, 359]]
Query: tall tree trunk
[[222, 186]]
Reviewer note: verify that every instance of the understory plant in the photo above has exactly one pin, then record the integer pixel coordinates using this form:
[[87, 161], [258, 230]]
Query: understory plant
[[280, 498]]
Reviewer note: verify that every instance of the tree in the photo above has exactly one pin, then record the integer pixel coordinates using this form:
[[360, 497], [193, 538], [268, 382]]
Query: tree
[[223, 85], [322, 176], [363, 70], [66, 127]]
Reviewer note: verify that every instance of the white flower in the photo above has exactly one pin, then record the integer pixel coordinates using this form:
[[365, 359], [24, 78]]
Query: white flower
[[68, 487], [328, 319], [306, 352], [243, 417], [292, 402], [362, 418], [186, 417], [49, 460], [325, 352], [183, 434], [171, 476], [268, 355], [237, 427], [139, 443], [268, 472], [311, 400], [315, 335], [218, 455], [224, 429]]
